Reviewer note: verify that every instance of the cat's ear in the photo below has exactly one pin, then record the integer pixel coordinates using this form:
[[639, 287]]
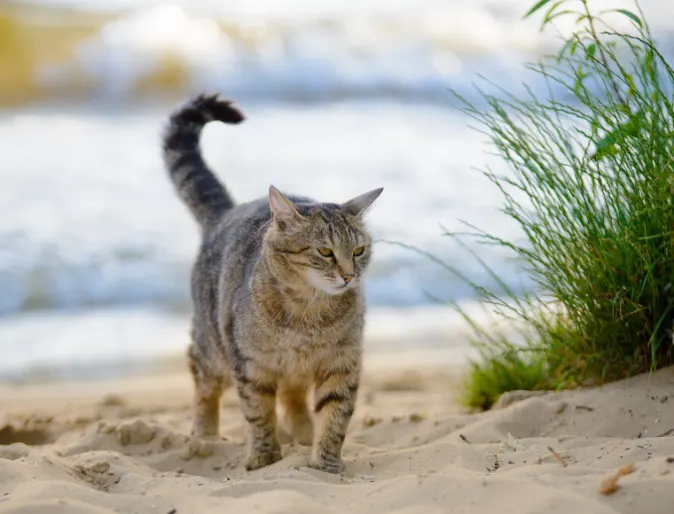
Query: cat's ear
[[282, 209], [359, 204]]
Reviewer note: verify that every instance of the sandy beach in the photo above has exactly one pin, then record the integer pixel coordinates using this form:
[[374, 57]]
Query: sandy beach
[[124, 446]]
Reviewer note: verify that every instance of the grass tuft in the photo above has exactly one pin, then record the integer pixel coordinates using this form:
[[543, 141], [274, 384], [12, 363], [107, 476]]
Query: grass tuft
[[499, 372], [592, 189]]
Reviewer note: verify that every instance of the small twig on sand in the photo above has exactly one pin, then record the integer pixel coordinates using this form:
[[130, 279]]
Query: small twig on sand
[[463, 438], [584, 407], [610, 484], [668, 432], [557, 456]]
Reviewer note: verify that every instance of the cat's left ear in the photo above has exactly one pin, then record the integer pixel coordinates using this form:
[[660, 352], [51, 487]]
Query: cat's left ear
[[283, 210], [359, 204]]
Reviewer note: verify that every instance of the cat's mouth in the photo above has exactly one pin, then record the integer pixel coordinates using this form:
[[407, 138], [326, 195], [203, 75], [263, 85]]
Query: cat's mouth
[[339, 289], [329, 285]]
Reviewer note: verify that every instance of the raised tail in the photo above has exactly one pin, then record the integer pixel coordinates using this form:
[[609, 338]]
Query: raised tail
[[196, 184]]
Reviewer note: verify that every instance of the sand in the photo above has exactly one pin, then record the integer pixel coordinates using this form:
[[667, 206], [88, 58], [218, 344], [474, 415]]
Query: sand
[[123, 446]]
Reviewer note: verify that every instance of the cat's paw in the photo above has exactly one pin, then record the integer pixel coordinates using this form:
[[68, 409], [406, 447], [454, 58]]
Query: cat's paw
[[303, 432], [207, 430], [305, 438], [205, 436], [283, 436], [296, 426], [260, 460], [333, 465]]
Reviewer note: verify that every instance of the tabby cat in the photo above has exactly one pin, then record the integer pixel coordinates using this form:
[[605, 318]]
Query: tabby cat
[[278, 302]]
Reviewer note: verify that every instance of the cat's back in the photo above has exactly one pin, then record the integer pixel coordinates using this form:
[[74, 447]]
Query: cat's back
[[235, 240]]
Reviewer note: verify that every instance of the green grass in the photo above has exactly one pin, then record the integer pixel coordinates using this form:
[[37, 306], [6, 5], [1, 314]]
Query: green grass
[[502, 371], [592, 189]]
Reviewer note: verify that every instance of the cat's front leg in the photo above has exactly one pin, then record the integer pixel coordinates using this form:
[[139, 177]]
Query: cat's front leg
[[335, 401], [258, 403]]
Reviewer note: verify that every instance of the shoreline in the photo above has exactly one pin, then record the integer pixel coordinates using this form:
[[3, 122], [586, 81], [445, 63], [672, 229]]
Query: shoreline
[[105, 344], [412, 366]]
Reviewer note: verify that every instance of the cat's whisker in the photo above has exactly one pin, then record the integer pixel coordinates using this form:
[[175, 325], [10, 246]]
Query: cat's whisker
[[309, 303]]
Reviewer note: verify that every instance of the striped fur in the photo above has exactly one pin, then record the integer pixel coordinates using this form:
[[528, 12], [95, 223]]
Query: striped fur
[[273, 316], [196, 184]]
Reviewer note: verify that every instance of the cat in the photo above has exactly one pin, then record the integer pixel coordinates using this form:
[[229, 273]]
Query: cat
[[278, 302]]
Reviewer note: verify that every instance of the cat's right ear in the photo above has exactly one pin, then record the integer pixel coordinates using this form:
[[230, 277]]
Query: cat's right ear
[[282, 209]]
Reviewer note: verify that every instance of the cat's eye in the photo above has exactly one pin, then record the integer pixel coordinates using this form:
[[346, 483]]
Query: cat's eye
[[359, 251], [326, 252]]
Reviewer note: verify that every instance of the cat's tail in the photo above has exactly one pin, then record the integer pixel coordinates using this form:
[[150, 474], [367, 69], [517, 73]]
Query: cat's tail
[[196, 184]]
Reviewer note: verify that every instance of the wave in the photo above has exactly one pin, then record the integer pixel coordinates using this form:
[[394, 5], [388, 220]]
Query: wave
[[53, 278], [292, 52], [49, 279]]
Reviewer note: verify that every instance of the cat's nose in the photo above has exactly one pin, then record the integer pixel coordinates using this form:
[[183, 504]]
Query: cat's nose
[[348, 277]]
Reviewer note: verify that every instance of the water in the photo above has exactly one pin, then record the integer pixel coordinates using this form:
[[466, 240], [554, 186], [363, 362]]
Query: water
[[300, 50], [90, 221], [95, 248]]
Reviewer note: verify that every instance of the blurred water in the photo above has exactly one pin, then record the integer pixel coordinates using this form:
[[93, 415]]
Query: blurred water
[[95, 248], [300, 50], [90, 219]]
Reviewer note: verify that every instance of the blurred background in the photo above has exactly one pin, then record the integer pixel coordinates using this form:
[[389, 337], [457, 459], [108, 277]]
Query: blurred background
[[341, 97]]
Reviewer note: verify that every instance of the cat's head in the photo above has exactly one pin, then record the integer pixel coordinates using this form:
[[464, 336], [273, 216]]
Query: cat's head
[[322, 246]]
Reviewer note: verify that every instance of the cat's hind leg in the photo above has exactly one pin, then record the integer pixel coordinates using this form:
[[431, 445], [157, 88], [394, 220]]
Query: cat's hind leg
[[295, 420], [210, 378]]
